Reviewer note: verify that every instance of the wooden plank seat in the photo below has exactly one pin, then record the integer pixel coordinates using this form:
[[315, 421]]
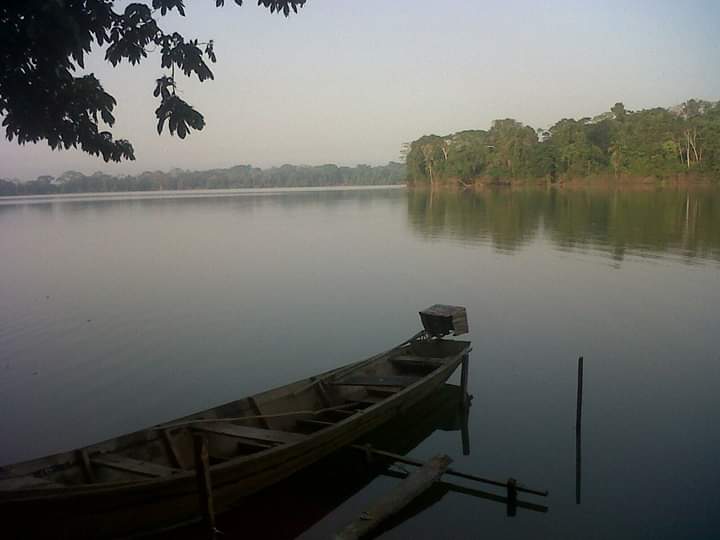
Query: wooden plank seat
[[126, 464], [253, 433], [411, 361], [376, 380]]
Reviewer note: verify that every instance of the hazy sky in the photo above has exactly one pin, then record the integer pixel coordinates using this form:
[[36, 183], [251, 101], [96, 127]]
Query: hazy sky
[[347, 81]]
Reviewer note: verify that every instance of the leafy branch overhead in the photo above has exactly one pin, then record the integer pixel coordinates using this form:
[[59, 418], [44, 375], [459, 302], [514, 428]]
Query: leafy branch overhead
[[43, 44]]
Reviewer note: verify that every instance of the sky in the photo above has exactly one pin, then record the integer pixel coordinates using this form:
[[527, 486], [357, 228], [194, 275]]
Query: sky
[[348, 81]]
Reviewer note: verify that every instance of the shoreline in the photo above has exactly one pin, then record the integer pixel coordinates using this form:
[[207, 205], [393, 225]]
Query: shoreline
[[185, 193], [593, 182]]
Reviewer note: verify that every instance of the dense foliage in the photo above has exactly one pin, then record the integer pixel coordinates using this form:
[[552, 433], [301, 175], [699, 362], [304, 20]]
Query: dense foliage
[[649, 143], [240, 176], [43, 44]]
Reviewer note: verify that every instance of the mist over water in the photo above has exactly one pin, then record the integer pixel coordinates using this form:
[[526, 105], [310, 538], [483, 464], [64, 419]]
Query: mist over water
[[118, 313]]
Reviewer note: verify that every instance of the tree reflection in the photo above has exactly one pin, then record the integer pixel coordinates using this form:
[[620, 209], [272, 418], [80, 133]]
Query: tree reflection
[[681, 221]]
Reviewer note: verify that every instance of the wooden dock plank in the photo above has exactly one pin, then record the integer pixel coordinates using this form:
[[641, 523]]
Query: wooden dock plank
[[396, 499]]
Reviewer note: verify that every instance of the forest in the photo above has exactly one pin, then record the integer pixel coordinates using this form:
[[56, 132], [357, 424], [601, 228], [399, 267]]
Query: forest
[[651, 143], [240, 176]]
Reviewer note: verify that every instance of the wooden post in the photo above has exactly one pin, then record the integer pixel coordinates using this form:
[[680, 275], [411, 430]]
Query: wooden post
[[511, 497], [578, 433], [464, 379], [202, 474]]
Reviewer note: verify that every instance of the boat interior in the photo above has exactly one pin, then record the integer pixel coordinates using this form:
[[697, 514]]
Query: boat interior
[[243, 428]]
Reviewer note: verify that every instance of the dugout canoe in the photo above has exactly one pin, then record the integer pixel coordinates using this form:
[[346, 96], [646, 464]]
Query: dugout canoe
[[146, 480]]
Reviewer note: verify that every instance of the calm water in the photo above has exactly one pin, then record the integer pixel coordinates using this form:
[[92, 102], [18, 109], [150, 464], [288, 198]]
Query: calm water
[[121, 312]]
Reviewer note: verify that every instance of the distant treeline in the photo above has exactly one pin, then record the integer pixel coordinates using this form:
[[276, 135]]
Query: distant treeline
[[240, 176], [658, 143]]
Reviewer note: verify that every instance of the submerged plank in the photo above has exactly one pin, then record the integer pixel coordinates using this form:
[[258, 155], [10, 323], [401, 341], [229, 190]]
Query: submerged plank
[[396, 499]]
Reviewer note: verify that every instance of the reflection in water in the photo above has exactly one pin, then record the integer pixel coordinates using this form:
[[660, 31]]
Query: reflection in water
[[578, 434], [684, 222]]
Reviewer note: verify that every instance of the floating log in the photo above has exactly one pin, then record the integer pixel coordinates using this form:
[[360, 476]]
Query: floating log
[[417, 463], [398, 498]]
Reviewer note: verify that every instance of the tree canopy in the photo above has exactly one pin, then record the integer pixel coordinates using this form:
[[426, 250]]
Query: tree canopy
[[649, 143], [43, 45]]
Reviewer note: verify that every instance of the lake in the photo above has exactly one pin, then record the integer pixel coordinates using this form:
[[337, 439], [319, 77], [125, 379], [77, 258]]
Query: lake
[[123, 311]]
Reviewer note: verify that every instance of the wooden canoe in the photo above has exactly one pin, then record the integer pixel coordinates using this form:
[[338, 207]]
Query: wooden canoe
[[146, 480]]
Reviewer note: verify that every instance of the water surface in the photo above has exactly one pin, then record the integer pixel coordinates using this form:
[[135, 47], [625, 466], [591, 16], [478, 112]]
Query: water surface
[[120, 312]]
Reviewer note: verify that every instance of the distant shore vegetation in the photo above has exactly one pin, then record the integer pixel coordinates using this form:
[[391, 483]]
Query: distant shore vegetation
[[680, 142], [240, 176]]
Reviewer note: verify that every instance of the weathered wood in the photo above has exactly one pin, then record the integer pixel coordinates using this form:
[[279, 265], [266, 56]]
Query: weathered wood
[[247, 432], [171, 449], [314, 423], [202, 476], [254, 445], [135, 466], [375, 380], [256, 408], [417, 463], [322, 392], [87, 469], [397, 499], [412, 361], [383, 391]]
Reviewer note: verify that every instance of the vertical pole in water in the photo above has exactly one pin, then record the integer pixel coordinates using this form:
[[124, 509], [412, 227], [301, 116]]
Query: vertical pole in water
[[464, 379], [202, 474], [465, 405], [578, 433], [465, 427]]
